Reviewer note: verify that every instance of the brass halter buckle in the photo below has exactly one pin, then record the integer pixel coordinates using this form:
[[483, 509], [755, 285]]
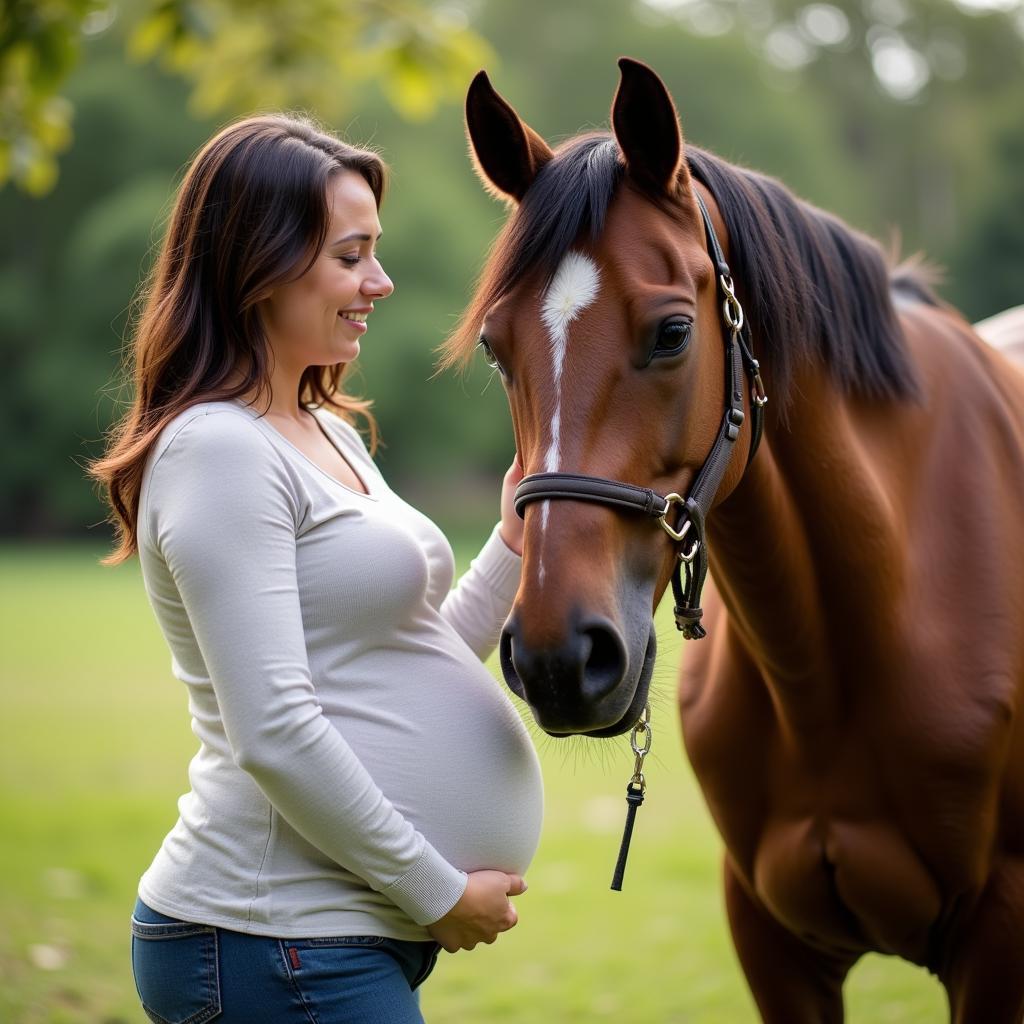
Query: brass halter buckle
[[678, 535]]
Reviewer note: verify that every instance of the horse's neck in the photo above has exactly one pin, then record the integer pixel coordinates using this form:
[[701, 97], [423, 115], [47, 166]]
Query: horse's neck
[[806, 551]]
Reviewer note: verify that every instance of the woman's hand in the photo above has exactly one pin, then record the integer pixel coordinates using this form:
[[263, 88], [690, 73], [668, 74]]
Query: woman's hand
[[482, 912], [511, 528]]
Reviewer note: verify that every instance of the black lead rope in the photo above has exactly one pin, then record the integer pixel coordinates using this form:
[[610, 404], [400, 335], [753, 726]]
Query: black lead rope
[[635, 789]]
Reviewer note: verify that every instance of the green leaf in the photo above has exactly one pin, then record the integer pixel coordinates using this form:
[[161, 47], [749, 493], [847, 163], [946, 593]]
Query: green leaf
[[39, 175], [152, 34]]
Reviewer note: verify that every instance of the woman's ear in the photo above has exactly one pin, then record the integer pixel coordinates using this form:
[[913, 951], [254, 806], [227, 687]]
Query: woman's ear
[[647, 130], [506, 151]]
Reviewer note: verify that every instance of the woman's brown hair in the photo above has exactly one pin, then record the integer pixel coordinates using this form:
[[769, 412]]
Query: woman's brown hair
[[251, 214]]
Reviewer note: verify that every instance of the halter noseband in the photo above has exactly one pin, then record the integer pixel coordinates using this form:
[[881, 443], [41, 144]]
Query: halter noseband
[[689, 529]]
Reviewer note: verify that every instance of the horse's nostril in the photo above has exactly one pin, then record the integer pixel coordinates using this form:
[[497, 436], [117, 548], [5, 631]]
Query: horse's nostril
[[605, 663], [508, 668], [564, 681]]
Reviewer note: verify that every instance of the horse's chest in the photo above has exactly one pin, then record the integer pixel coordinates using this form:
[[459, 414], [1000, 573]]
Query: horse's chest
[[846, 885], [861, 850], [864, 850], [863, 823]]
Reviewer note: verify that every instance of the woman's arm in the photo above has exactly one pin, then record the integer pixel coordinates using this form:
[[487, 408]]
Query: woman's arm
[[223, 514]]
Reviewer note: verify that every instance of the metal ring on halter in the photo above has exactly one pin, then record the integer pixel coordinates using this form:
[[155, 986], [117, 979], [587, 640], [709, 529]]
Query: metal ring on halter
[[670, 500], [758, 393], [689, 556], [732, 311], [642, 726], [679, 535]]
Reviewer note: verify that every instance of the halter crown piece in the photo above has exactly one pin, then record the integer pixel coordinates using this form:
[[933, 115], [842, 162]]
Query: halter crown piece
[[691, 566]]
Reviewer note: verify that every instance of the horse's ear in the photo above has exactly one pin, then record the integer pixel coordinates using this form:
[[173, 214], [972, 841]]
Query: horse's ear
[[507, 152], [647, 129]]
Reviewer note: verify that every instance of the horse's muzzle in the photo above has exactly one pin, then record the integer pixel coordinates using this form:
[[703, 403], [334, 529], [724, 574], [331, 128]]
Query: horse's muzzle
[[584, 683]]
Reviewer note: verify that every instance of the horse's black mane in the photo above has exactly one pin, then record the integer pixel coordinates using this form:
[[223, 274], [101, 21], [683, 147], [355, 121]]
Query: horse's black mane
[[812, 287]]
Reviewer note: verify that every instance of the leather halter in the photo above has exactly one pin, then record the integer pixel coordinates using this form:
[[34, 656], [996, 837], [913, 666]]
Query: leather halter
[[688, 531]]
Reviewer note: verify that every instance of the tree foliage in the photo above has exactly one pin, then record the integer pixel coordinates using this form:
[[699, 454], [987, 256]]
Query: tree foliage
[[942, 166], [238, 55], [244, 54], [39, 45]]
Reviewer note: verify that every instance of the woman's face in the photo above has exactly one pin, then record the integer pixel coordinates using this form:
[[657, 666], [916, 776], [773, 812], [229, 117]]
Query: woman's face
[[318, 319]]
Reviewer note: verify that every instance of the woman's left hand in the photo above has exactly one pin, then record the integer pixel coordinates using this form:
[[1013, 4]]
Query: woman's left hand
[[511, 528]]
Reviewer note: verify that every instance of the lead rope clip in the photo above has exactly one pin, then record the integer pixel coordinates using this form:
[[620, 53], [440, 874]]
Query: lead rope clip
[[640, 741]]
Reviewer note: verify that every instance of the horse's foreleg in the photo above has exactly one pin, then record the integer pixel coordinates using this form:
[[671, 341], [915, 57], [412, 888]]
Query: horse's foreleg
[[984, 976], [791, 982]]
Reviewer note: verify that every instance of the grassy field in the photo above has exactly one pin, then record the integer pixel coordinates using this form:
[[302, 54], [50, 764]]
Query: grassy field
[[94, 744]]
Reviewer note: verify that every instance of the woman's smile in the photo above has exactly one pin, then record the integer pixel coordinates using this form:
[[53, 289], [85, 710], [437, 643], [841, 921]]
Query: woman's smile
[[355, 318]]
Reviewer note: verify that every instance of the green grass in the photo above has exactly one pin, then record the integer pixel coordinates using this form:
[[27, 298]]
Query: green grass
[[94, 744]]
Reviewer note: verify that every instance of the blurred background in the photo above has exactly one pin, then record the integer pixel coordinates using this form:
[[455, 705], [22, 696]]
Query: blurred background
[[905, 117]]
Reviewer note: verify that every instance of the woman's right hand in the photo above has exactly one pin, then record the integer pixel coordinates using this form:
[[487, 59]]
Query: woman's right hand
[[482, 912]]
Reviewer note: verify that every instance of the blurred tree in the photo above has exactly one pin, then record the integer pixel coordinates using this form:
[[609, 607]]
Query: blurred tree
[[238, 55], [986, 266], [914, 89], [68, 268], [900, 48], [943, 164], [38, 47]]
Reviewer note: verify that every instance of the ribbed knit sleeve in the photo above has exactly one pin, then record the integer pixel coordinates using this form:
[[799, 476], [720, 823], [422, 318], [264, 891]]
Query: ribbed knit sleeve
[[479, 604], [222, 512]]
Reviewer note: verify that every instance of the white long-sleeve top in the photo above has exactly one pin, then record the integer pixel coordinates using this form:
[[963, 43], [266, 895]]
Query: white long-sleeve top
[[355, 757]]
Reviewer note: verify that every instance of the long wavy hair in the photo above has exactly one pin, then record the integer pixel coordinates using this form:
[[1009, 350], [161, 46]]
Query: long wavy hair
[[251, 214]]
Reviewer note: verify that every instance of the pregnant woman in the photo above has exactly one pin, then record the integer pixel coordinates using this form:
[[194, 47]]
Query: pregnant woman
[[364, 793]]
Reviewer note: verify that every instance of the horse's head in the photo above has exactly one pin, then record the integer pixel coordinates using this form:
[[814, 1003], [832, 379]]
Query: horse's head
[[599, 307]]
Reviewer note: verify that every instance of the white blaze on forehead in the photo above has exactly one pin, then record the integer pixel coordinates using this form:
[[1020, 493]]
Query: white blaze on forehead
[[572, 289]]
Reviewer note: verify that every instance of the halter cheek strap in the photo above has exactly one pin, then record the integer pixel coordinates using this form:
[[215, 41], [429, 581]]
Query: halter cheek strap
[[688, 531]]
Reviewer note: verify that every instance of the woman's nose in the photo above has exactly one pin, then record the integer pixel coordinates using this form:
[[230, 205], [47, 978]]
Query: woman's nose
[[378, 285]]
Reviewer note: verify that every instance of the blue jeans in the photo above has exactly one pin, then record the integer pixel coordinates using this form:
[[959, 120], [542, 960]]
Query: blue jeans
[[192, 973]]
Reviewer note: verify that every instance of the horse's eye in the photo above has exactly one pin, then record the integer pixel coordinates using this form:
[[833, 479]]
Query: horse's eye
[[673, 337], [489, 357]]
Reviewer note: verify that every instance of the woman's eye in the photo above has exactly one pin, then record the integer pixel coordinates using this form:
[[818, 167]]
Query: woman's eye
[[350, 261], [673, 337]]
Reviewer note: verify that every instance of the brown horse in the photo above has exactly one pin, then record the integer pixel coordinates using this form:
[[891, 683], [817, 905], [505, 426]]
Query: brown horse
[[854, 717]]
